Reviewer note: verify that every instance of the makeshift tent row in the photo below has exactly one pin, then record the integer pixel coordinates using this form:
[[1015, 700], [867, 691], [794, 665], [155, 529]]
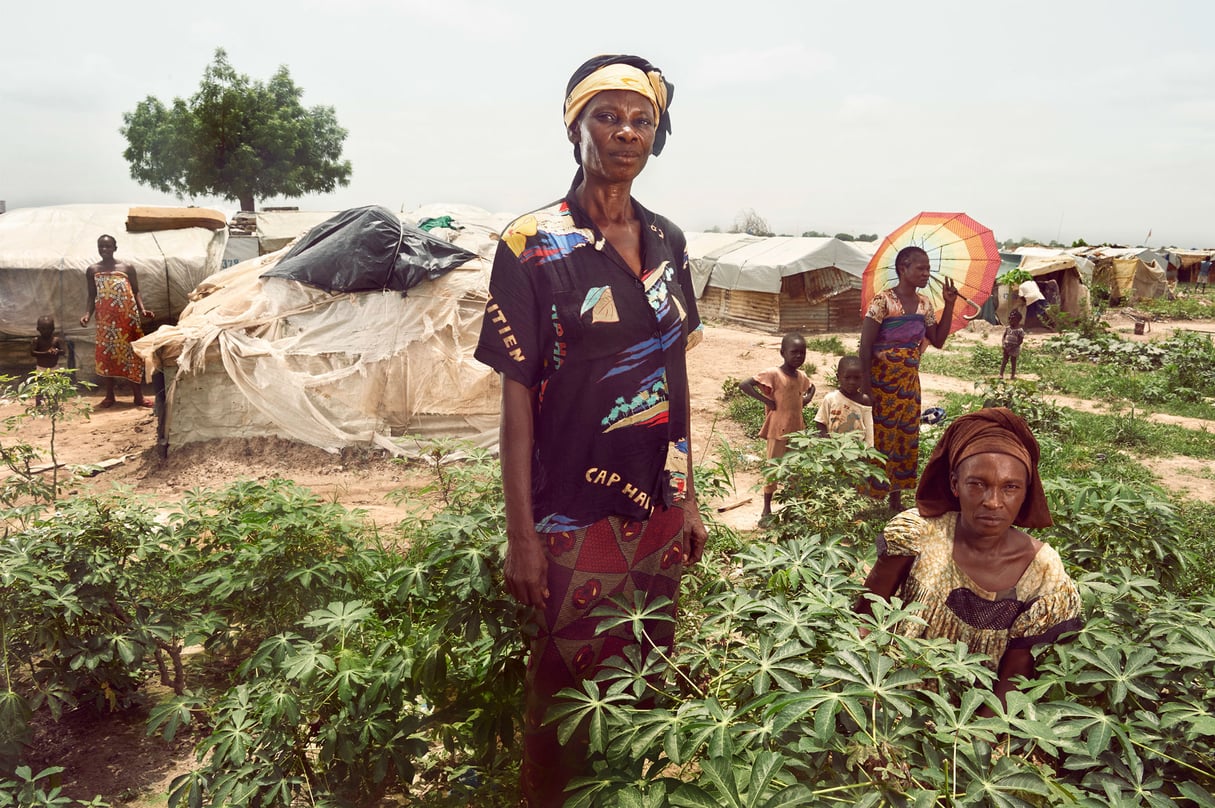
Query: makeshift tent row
[[1065, 271], [778, 284], [44, 253], [258, 355]]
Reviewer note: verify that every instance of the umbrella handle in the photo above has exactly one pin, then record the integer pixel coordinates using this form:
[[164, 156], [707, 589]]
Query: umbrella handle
[[978, 309]]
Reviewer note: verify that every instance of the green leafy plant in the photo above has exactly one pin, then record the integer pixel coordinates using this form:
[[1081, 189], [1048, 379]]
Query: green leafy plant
[[828, 345], [53, 395]]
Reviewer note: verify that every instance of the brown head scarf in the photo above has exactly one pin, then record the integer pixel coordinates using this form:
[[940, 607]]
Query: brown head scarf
[[995, 429]]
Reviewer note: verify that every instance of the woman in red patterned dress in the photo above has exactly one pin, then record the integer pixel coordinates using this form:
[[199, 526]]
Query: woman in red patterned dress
[[114, 298]]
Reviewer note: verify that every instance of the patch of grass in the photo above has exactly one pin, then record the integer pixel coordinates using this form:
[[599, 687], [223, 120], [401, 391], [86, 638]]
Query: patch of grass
[[828, 345], [1196, 525], [1076, 444], [1131, 430], [1192, 306], [1164, 390]]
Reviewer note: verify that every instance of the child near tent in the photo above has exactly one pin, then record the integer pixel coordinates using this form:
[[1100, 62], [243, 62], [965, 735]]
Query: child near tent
[[1014, 335], [46, 347], [784, 390], [1204, 274], [847, 409]]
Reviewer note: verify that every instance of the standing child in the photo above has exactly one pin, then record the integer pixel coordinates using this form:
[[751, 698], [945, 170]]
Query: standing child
[[784, 390], [1014, 335], [46, 348], [847, 409]]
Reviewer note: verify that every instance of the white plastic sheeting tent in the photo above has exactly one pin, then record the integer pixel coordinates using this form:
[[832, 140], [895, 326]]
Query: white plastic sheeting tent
[[44, 253], [780, 283], [760, 265], [274, 357], [705, 248]]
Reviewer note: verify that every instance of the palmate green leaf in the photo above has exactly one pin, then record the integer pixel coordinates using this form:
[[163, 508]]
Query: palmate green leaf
[[784, 619], [1121, 671], [784, 665], [1039, 724], [1126, 782], [653, 796], [618, 612], [271, 653], [1006, 782], [729, 610], [306, 662], [707, 723], [630, 667], [788, 709], [338, 617], [1192, 647], [690, 795], [958, 724], [652, 730], [597, 709], [411, 581], [719, 772], [231, 739], [1078, 729], [875, 674], [1192, 714], [1197, 794], [171, 714]]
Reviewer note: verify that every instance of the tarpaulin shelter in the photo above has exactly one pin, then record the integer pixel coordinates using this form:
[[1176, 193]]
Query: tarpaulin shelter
[[44, 253], [1067, 273], [1130, 279], [781, 283], [258, 355]]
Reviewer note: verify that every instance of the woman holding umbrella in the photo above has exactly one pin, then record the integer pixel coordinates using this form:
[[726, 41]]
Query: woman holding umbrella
[[896, 324]]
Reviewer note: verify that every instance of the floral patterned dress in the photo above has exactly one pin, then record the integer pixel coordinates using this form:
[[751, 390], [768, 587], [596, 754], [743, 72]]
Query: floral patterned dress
[[118, 325], [1042, 607]]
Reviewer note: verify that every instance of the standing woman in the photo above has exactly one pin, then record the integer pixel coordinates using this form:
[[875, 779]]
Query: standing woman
[[590, 314], [892, 334], [113, 289]]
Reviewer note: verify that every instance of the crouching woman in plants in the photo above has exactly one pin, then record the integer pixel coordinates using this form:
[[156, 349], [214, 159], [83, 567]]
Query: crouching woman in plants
[[960, 553]]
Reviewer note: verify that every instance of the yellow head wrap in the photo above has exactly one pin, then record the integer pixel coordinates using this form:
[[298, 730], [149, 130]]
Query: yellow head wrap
[[616, 76]]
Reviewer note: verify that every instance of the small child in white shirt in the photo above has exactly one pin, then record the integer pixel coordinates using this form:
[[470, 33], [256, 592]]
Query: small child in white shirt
[[847, 409]]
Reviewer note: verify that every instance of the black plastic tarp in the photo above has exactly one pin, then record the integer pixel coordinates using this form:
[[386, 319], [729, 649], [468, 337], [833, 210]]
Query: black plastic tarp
[[364, 250]]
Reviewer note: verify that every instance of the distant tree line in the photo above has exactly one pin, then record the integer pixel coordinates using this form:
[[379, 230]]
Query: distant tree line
[[749, 222]]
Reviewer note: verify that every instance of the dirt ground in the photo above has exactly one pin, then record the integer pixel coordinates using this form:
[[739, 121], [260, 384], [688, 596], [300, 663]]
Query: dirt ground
[[114, 758]]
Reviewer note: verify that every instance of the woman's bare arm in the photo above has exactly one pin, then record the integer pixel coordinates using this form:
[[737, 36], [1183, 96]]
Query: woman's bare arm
[[526, 568]]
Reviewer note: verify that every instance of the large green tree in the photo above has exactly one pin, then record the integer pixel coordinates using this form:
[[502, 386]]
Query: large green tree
[[236, 138]]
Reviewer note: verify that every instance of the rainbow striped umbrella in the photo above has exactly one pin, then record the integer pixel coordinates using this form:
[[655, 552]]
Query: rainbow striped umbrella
[[958, 247]]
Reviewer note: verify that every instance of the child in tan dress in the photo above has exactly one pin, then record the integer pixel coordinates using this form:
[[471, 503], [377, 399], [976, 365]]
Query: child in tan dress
[[784, 390]]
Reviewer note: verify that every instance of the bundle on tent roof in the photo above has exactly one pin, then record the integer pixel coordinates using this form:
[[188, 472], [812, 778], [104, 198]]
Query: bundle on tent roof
[[149, 219], [367, 249]]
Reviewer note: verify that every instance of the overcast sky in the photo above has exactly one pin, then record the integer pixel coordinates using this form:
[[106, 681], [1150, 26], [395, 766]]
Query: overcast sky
[[1064, 119]]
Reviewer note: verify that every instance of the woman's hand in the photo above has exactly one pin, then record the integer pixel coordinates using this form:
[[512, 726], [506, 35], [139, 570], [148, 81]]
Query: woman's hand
[[526, 567], [84, 320], [694, 533], [949, 293], [147, 314]]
